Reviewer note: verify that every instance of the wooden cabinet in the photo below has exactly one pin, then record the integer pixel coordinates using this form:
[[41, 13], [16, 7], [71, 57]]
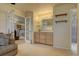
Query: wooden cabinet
[[43, 37], [49, 38], [36, 37]]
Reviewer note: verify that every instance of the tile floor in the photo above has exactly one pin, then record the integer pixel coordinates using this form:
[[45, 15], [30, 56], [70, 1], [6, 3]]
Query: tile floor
[[27, 49]]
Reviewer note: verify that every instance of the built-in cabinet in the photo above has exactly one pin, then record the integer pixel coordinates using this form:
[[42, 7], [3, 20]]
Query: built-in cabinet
[[43, 37]]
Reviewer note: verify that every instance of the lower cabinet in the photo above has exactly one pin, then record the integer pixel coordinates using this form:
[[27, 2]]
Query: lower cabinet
[[49, 38], [43, 38], [36, 37]]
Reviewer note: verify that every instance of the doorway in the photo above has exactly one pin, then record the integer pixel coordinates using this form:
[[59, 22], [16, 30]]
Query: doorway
[[19, 28]]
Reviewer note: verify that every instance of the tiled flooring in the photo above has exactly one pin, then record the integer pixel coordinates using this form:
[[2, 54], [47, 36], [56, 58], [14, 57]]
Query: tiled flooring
[[27, 49]]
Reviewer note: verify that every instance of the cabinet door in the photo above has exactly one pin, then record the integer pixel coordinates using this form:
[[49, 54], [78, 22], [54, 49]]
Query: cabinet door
[[42, 37], [36, 37], [49, 38]]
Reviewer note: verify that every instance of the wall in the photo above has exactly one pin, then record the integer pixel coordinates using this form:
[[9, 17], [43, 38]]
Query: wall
[[42, 12], [6, 11], [62, 31], [78, 29], [2, 22]]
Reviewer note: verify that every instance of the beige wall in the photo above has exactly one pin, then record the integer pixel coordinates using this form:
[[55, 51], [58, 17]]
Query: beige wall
[[63, 40], [40, 13]]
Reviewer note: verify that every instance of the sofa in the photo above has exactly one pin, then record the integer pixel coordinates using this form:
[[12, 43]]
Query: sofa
[[7, 45]]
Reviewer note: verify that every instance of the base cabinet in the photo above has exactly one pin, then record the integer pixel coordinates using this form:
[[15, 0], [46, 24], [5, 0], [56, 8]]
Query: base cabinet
[[36, 37], [49, 38], [43, 38]]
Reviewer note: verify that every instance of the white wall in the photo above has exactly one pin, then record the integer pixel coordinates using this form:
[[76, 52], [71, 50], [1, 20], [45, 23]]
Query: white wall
[[6, 12], [62, 30], [2, 22]]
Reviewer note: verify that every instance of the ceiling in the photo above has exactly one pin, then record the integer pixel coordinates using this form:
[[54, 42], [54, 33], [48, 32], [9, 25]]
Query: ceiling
[[31, 6]]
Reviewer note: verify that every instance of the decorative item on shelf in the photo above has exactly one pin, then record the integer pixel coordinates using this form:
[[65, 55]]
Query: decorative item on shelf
[[18, 26]]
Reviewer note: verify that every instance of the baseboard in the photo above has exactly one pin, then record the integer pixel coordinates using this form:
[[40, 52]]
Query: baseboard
[[27, 41], [61, 47]]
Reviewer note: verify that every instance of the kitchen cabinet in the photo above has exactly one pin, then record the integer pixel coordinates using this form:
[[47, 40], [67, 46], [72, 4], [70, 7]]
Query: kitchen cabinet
[[36, 37], [43, 38], [49, 38]]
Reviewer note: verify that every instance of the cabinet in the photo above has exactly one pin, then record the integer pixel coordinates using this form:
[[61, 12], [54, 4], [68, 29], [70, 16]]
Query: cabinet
[[49, 38], [43, 38], [36, 37]]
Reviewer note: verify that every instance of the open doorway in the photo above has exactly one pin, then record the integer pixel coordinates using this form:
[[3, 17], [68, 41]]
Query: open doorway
[[19, 29], [23, 29], [74, 31]]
